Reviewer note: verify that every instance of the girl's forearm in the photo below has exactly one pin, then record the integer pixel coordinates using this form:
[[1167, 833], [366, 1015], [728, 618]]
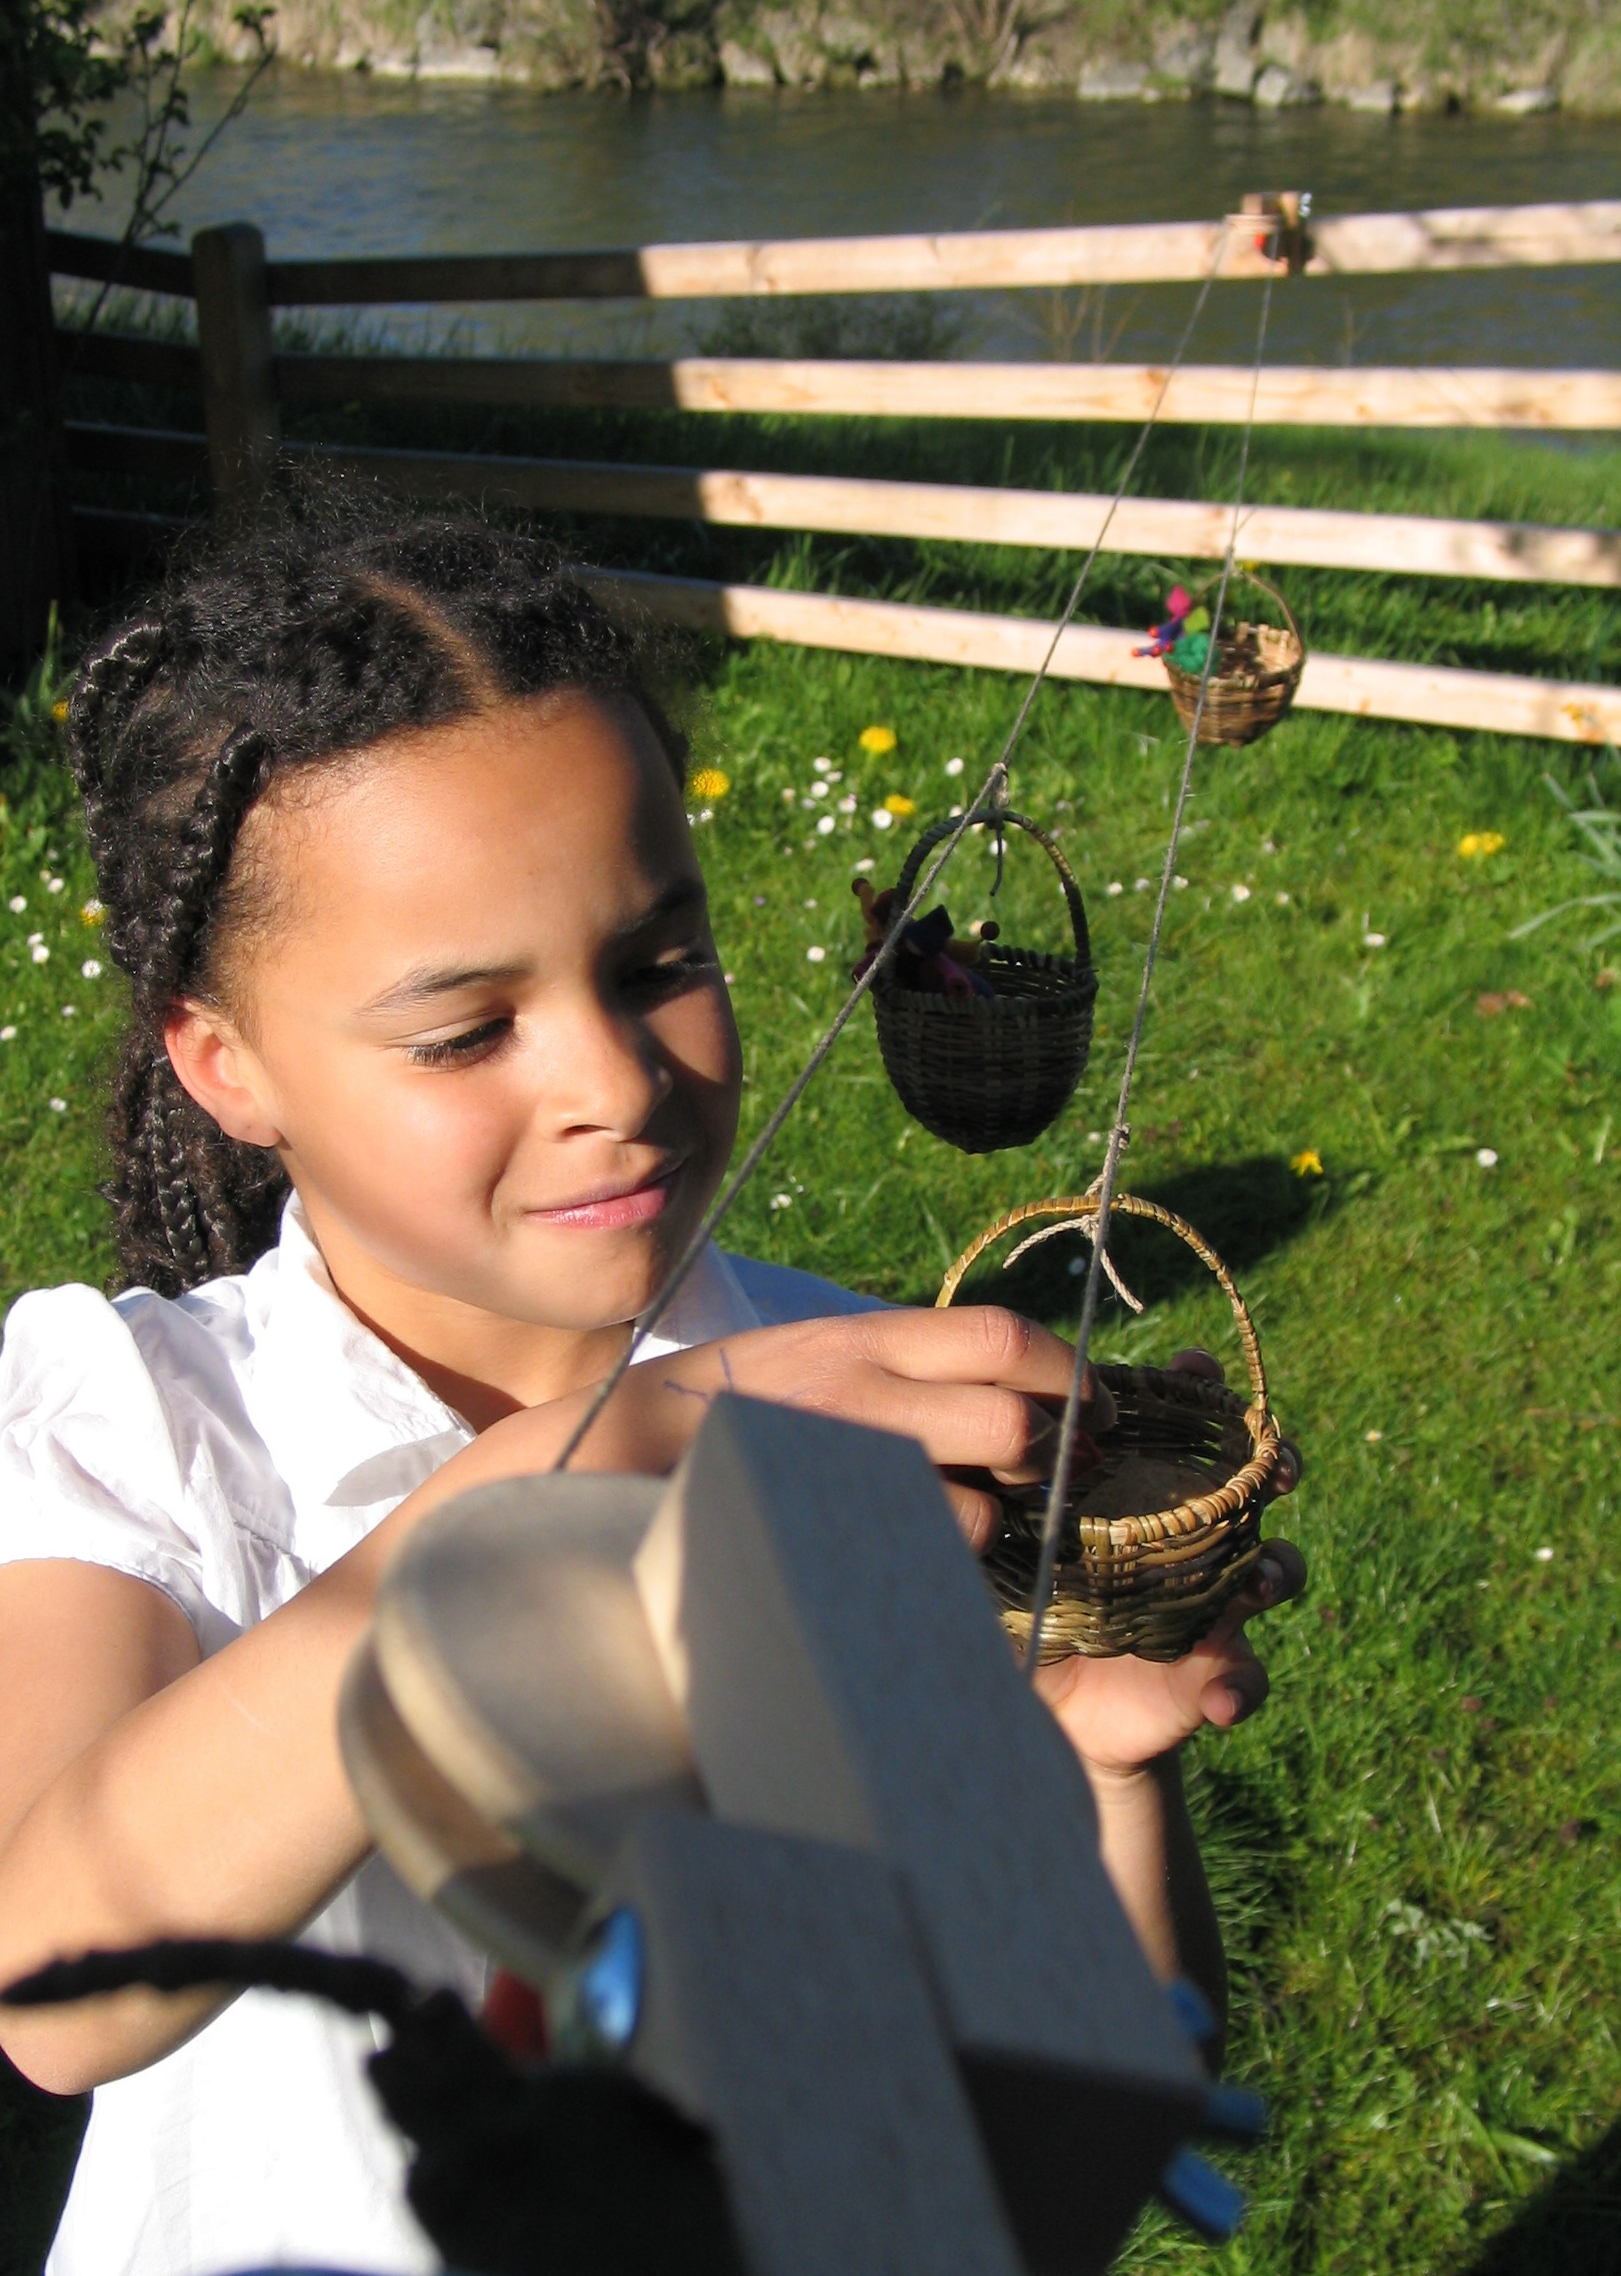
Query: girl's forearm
[[219, 1806], [1152, 1858]]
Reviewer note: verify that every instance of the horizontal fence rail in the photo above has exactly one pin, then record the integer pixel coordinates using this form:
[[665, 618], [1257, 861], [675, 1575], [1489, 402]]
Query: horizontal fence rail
[[1202, 395], [1433, 695], [244, 385], [1302, 537], [1370, 244]]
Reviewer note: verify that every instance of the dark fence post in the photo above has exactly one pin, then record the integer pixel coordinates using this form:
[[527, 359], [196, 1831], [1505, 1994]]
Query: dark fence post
[[239, 389], [36, 535]]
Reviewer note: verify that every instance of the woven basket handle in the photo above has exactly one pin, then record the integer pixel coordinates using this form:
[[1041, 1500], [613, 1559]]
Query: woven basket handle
[[1084, 1207], [1272, 594], [1066, 876]]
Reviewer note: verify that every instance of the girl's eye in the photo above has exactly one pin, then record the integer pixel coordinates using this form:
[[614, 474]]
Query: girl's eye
[[671, 972], [459, 1050]]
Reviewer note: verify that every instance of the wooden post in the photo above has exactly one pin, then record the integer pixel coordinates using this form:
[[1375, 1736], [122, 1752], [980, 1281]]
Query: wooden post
[[239, 390], [35, 528]]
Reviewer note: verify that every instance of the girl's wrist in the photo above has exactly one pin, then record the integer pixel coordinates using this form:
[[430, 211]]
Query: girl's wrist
[[1122, 1785]]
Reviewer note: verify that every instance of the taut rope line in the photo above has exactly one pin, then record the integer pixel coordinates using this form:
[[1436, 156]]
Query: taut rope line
[[991, 796], [1052, 1523]]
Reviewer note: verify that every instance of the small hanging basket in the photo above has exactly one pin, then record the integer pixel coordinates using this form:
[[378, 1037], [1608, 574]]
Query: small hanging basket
[[1159, 1534], [1253, 680], [989, 1072]]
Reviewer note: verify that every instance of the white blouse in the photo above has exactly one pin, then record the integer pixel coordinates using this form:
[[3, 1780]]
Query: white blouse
[[228, 1447]]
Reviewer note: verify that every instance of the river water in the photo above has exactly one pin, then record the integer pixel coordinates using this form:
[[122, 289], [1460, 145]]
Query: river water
[[330, 164]]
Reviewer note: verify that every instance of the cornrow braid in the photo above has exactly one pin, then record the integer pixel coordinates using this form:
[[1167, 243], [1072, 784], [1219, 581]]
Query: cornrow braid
[[288, 648]]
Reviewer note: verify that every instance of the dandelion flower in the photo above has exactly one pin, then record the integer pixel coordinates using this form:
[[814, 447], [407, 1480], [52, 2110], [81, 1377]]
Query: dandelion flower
[[1282, 899], [40, 953], [877, 741], [826, 826], [954, 766], [1373, 940], [59, 709], [1241, 892], [1486, 1156], [1308, 1163], [57, 1105], [883, 819], [8, 1035], [1181, 884], [1475, 845], [1113, 887], [1372, 1437], [867, 863], [782, 1201], [70, 1011], [1142, 885], [93, 913], [1544, 1555], [710, 782], [54, 884], [815, 955], [789, 796], [848, 803], [898, 803], [17, 904], [822, 766]]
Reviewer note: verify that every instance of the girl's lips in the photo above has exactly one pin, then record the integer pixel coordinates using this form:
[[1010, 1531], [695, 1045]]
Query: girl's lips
[[616, 1210]]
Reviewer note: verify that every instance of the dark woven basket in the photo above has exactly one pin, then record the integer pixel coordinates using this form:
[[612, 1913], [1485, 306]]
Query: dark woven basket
[[1253, 680], [988, 1072], [1158, 1538]]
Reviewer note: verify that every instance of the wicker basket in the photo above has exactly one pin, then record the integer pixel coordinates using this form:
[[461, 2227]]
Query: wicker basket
[[1160, 1535], [987, 1072], [1253, 680]]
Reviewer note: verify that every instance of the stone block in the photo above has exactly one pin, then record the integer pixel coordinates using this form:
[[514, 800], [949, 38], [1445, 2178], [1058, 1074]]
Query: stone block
[[741, 67], [1528, 102], [1278, 89], [1379, 95], [1186, 57], [1112, 82], [1236, 63]]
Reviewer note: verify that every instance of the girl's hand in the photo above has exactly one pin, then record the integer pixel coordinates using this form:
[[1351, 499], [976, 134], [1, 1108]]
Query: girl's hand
[[1121, 1715], [975, 1387]]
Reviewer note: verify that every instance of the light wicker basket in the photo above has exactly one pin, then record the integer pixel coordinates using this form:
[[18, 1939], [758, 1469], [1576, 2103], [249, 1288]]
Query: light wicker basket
[[987, 1072], [1157, 1538], [1253, 680]]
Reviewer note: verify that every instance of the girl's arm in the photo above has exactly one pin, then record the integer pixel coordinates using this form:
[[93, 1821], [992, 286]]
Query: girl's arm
[[145, 1792]]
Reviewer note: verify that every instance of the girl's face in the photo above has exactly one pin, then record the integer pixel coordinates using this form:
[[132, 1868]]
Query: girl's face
[[487, 1023]]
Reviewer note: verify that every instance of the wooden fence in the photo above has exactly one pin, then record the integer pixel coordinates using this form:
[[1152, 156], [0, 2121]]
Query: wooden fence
[[244, 384]]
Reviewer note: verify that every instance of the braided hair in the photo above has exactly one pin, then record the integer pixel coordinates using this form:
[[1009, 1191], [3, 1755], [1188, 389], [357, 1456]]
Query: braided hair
[[282, 650]]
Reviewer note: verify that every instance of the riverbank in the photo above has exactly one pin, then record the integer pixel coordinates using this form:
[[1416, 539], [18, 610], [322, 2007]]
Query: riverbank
[[1375, 55]]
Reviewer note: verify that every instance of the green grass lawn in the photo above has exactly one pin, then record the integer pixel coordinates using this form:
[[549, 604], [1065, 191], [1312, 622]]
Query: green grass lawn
[[1414, 1848]]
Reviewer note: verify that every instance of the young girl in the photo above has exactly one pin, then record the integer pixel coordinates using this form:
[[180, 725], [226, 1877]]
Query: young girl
[[430, 1075]]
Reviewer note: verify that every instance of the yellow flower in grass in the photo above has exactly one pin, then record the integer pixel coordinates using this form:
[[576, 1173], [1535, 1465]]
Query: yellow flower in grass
[[896, 804], [59, 709], [877, 741], [710, 783], [1307, 1164], [1475, 845]]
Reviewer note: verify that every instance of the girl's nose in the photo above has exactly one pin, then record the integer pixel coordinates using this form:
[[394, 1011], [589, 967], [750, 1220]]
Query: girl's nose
[[605, 1072]]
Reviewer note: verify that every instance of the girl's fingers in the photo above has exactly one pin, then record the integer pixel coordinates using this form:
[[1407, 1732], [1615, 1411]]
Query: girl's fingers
[[978, 1513], [968, 1426], [980, 1343], [1237, 1692], [1197, 1361], [1277, 1575]]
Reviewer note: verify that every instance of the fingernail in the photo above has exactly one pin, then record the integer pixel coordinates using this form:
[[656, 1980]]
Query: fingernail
[[1241, 1705]]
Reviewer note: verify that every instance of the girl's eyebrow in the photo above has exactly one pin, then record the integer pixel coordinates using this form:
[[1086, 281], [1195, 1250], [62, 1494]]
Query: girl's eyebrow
[[426, 981]]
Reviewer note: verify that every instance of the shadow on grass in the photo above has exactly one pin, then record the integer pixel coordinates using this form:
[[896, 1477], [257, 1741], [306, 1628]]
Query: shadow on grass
[[1246, 1210], [39, 2145], [1571, 2228]]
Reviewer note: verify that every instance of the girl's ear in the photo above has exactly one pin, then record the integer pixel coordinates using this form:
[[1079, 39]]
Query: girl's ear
[[222, 1073]]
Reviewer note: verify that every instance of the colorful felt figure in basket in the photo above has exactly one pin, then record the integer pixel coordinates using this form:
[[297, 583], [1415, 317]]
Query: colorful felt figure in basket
[[929, 958], [1181, 618]]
